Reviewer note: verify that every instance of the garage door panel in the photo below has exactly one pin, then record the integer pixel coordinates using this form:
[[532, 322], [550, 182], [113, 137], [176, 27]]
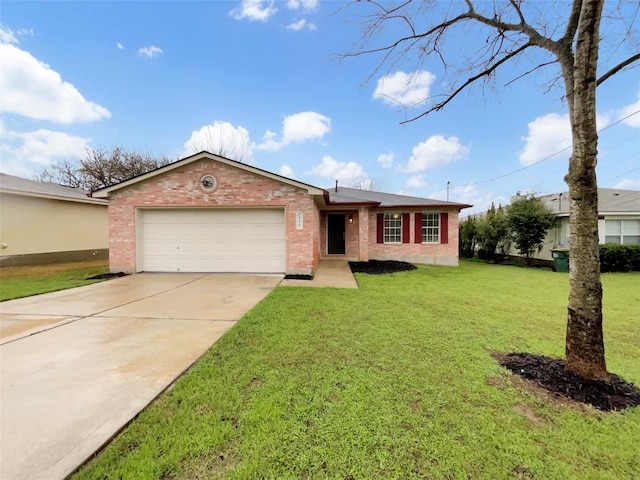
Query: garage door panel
[[213, 240]]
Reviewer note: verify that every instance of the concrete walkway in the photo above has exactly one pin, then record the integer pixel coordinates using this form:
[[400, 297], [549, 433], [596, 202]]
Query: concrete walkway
[[77, 365], [330, 273]]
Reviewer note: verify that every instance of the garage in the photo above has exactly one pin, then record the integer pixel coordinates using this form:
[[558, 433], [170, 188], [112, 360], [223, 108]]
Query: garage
[[247, 240]]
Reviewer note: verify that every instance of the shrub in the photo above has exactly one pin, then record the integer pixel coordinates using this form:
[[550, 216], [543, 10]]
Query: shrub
[[619, 258]]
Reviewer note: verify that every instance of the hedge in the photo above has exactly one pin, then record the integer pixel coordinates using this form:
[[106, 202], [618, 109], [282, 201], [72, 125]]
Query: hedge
[[619, 258]]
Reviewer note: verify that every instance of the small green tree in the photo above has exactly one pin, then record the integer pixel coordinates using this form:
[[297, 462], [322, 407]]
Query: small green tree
[[493, 235], [529, 220], [468, 237]]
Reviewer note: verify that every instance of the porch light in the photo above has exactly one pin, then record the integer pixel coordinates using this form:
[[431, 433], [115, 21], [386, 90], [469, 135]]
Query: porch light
[[396, 216], [350, 218]]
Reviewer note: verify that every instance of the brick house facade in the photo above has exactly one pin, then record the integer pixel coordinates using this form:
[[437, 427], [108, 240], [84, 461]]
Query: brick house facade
[[229, 202]]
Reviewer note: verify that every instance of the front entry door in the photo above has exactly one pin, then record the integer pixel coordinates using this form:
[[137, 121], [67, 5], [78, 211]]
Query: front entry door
[[336, 233]]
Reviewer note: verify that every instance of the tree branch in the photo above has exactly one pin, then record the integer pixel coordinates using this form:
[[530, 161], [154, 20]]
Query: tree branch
[[542, 65], [617, 68], [486, 72], [572, 24]]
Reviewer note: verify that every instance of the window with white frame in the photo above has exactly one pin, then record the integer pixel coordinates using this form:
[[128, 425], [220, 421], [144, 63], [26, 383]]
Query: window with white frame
[[625, 232], [392, 228], [430, 228]]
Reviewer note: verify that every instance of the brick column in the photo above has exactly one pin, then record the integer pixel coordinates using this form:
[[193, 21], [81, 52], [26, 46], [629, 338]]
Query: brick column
[[363, 234]]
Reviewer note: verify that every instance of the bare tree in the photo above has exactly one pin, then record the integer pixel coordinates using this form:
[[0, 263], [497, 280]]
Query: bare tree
[[101, 168], [561, 34], [367, 184]]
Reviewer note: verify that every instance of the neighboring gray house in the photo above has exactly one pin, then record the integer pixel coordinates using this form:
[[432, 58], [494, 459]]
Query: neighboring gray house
[[619, 219], [43, 222]]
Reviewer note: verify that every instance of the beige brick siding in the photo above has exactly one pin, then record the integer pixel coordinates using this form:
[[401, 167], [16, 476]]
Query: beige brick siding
[[236, 188]]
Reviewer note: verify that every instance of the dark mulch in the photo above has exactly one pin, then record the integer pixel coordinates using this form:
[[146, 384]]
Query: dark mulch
[[295, 276], [549, 373], [107, 276], [379, 267]]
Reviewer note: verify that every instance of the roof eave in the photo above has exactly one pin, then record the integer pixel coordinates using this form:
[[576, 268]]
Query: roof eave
[[93, 201], [105, 191]]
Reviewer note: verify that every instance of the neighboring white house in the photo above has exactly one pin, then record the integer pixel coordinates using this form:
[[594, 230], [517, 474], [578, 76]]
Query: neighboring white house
[[42, 222], [618, 221]]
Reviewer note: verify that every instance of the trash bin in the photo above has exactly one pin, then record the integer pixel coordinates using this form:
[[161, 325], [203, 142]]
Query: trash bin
[[560, 259]]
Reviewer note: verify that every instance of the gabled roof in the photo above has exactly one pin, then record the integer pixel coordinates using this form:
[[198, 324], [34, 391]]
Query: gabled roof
[[353, 196], [104, 192], [610, 200], [22, 186]]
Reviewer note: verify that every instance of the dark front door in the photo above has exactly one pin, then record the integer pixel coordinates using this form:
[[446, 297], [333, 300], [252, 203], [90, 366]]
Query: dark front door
[[335, 233]]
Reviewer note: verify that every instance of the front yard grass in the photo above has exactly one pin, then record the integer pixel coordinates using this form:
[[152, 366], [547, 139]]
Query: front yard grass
[[24, 281], [393, 380]]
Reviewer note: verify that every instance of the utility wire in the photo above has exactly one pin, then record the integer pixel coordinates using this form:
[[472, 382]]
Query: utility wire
[[545, 158]]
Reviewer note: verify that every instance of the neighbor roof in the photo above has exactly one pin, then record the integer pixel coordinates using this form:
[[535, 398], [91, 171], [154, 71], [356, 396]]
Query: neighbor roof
[[610, 200], [350, 196], [104, 192], [22, 186]]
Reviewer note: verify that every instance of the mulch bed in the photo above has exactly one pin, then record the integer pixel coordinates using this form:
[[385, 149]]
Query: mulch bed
[[549, 374], [107, 276], [380, 267], [296, 276]]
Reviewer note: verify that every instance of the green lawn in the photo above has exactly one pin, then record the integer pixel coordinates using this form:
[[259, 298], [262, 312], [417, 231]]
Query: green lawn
[[392, 380], [17, 282]]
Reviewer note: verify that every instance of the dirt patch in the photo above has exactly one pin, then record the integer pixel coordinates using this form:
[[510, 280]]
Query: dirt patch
[[380, 267], [107, 276], [528, 413], [549, 374]]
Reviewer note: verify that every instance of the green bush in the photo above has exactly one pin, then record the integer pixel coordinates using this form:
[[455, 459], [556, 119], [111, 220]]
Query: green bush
[[619, 258]]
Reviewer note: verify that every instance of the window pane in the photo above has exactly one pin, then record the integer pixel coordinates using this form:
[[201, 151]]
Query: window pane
[[612, 239], [631, 239], [392, 228], [612, 227], [430, 227], [630, 227]]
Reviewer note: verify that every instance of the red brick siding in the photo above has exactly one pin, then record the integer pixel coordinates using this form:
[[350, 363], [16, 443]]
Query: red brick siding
[[351, 233], [427, 253], [236, 188]]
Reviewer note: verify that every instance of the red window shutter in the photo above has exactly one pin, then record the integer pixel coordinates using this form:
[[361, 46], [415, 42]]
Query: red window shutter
[[444, 227], [380, 228], [406, 225], [418, 227]]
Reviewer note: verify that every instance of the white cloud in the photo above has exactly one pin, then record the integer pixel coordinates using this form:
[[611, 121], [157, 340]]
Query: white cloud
[[417, 181], [406, 89], [547, 135], [297, 128], [286, 171], [25, 153], [221, 138], [300, 24], [260, 10], [436, 151], [306, 5], [22, 32], [32, 89], [385, 160], [633, 121], [6, 35], [342, 171], [470, 195], [628, 184], [119, 46], [150, 51], [550, 135]]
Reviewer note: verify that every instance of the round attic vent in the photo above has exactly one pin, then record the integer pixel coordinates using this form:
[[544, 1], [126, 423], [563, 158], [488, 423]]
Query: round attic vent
[[208, 182]]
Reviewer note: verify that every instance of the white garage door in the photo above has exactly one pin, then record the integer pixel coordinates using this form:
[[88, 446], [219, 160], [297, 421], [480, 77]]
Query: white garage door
[[212, 240]]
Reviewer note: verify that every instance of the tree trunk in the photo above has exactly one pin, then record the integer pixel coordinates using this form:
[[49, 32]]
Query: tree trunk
[[584, 341]]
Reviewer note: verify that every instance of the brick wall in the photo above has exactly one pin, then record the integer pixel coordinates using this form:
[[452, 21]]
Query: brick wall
[[351, 233], [426, 253], [236, 188]]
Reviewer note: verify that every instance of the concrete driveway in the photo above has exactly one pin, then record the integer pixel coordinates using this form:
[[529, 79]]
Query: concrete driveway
[[77, 365]]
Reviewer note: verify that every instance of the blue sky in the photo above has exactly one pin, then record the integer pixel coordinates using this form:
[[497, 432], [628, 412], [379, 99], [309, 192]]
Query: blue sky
[[262, 82]]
